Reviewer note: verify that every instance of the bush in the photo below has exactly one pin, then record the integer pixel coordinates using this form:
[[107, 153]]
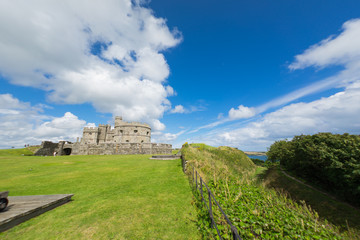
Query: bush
[[258, 162], [330, 160]]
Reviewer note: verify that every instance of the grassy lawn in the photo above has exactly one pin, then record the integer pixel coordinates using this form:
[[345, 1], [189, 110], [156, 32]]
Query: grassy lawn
[[116, 197]]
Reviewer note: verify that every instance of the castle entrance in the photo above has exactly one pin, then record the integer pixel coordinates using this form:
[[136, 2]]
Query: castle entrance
[[66, 151]]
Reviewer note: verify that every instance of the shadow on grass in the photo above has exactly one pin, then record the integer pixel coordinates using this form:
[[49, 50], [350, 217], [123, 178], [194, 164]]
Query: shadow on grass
[[332, 210]]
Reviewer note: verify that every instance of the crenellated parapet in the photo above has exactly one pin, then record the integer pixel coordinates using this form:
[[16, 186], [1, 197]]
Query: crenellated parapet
[[134, 124], [91, 129]]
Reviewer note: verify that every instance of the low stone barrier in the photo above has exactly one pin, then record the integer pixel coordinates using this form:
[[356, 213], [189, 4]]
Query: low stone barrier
[[165, 157]]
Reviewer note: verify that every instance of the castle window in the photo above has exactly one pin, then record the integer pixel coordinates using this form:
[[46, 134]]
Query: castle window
[[121, 131], [135, 131], [142, 141], [127, 140], [147, 133], [90, 133]]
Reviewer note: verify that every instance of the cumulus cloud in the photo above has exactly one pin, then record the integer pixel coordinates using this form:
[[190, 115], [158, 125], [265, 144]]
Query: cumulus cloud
[[178, 109], [190, 109], [66, 127], [107, 53], [340, 50], [161, 137], [338, 113], [234, 114], [21, 123], [241, 112]]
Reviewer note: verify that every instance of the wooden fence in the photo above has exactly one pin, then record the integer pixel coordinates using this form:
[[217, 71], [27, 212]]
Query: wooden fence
[[199, 183]]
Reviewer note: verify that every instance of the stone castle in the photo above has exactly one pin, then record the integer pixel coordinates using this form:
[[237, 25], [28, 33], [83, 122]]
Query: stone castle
[[124, 138]]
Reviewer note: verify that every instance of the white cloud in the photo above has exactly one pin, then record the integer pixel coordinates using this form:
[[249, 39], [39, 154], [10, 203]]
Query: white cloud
[[21, 123], [178, 109], [338, 113], [343, 50], [234, 114], [340, 50], [195, 108], [62, 128], [210, 125], [127, 76], [161, 137], [157, 125], [241, 112]]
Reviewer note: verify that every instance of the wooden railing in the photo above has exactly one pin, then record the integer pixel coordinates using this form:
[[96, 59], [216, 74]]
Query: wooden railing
[[209, 203]]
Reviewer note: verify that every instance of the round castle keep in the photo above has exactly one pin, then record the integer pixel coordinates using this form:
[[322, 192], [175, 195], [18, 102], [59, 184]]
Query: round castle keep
[[123, 132], [132, 132]]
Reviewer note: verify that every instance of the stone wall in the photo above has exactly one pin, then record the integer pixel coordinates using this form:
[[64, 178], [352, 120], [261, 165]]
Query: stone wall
[[161, 148], [48, 148], [122, 148]]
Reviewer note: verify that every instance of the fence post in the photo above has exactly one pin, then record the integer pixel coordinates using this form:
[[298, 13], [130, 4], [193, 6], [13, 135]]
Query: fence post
[[201, 188], [235, 233], [196, 173], [210, 210]]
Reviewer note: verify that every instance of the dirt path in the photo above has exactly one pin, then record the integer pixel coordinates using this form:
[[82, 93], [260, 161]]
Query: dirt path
[[325, 193]]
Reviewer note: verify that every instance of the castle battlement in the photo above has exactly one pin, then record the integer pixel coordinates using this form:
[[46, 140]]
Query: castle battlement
[[134, 124], [92, 129]]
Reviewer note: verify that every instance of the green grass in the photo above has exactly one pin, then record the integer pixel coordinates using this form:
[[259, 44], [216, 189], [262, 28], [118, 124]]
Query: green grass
[[16, 152], [256, 211], [201, 146], [116, 197], [334, 211]]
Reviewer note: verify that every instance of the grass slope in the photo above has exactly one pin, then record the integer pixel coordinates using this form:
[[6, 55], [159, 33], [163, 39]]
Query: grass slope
[[334, 211], [257, 212], [17, 152], [116, 197]]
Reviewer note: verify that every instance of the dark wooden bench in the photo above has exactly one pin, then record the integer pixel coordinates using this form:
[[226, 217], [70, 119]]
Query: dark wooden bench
[[4, 200]]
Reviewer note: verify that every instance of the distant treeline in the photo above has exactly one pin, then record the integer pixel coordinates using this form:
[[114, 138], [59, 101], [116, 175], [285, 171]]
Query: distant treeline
[[329, 160]]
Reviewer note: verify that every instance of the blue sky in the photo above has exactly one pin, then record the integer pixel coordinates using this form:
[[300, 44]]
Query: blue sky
[[237, 73]]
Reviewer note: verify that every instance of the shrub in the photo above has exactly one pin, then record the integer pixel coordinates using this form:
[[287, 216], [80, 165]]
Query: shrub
[[330, 160]]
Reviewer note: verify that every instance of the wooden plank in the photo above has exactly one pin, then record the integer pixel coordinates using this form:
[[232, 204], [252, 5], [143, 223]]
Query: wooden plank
[[23, 208]]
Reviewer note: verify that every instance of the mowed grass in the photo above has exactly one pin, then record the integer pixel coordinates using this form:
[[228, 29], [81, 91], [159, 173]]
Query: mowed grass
[[116, 197], [16, 152]]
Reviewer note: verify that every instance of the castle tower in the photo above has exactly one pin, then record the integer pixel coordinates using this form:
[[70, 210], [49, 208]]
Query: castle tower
[[134, 132], [118, 121], [90, 135], [103, 131]]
